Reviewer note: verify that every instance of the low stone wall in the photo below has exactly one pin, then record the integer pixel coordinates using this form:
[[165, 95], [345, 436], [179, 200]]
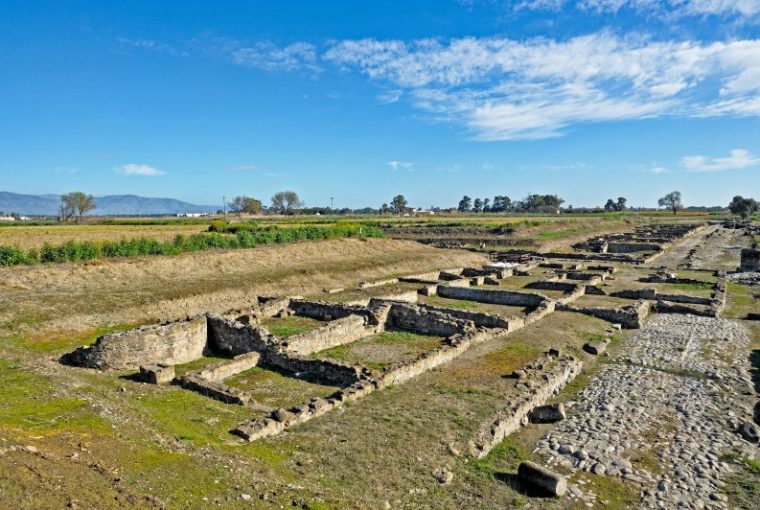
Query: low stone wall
[[424, 278], [222, 370], [325, 311], [378, 283], [667, 307], [217, 391], [496, 297], [549, 285], [338, 332], [750, 260], [680, 298], [455, 346], [540, 312], [409, 296], [426, 321], [631, 247], [234, 338], [479, 319], [652, 294], [629, 317], [282, 419], [718, 301], [169, 344], [544, 378], [326, 371]]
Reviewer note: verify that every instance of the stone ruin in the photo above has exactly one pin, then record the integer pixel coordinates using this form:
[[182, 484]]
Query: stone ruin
[[240, 337], [750, 260]]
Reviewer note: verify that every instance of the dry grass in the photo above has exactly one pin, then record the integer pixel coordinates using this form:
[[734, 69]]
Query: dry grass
[[35, 236], [85, 296]]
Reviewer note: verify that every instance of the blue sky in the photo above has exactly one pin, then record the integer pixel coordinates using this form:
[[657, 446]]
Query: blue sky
[[362, 100]]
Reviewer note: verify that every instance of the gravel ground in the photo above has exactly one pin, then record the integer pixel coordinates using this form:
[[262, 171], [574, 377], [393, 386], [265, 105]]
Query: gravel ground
[[663, 414]]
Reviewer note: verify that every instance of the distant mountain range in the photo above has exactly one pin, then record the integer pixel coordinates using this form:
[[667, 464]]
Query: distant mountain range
[[109, 205]]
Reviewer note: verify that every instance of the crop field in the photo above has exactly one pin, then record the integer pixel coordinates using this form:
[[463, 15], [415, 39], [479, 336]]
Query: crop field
[[26, 237]]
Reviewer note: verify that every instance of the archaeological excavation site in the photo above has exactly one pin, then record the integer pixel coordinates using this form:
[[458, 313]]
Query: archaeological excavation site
[[619, 372]]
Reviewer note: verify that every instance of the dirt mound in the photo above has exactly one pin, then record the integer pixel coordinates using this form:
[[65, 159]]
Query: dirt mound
[[162, 288]]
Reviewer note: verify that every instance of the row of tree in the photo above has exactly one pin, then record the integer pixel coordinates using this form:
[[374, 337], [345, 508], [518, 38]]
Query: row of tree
[[74, 205], [502, 203], [283, 202]]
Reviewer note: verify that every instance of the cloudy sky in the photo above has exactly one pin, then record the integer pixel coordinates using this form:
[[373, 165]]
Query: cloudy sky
[[362, 100]]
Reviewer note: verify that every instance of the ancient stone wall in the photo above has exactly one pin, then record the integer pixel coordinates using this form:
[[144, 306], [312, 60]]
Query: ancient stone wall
[[544, 378], [338, 332], [426, 321], [481, 320], [548, 285], [629, 317], [324, 311], [631, 247], [233, 338], [324, 370], [222, 370], [171, 344], [496, 297], [750, 260]]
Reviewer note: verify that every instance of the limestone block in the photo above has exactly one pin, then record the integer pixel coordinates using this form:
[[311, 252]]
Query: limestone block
[[549, 413], [595, 348], [533, 474], [157, 374]]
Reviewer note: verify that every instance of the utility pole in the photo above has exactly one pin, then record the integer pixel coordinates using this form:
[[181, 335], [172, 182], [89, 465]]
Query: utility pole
[[224, 205]]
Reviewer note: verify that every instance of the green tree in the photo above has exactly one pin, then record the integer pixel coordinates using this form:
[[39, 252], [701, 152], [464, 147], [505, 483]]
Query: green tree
[[464, 204], [501, 203], [76, 203], [398, 204], [621, 204], [672, 201], [743, 207], [285, 202], [610, 205], [244, 204], [477, 205]]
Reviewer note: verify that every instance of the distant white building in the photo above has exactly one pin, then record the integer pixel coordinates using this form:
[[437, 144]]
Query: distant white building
[[193, 215]]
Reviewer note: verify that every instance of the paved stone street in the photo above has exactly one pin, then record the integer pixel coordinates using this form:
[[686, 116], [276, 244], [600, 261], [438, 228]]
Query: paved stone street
[[663, 413]]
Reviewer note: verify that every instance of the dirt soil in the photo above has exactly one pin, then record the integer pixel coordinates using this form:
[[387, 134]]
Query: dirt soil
[[104, 293]]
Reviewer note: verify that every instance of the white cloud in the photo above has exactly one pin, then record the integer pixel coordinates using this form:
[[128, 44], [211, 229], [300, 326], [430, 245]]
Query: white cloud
[[244, 168], [746, 8], [737, 159], [150, 45], [657, 170], [390, 96], [270, 57], [504, 89], [135, 169], [401, 165]]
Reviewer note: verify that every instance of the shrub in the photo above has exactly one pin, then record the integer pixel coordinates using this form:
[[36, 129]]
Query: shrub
[[220, 235], [12, 256]]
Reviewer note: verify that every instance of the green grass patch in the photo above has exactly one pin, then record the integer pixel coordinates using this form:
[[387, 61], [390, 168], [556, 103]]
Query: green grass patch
[[276, 389], [504, 457], [290, 326], [188, 416], [30, 404], [44, 343]]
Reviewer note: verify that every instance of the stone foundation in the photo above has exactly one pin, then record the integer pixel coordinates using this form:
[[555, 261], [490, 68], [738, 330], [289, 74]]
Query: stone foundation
[[543, 379], [168, 344]]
